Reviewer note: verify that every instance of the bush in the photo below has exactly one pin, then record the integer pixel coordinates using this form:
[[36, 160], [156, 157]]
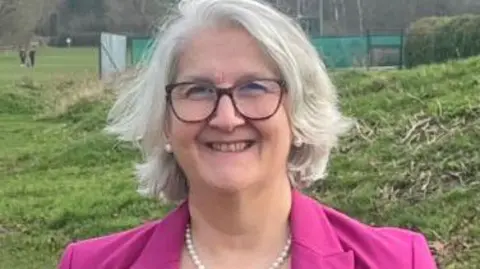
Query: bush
[[439, 39]]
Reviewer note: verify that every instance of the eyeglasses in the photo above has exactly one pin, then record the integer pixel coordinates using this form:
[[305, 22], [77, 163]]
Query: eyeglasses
[[195, 101]]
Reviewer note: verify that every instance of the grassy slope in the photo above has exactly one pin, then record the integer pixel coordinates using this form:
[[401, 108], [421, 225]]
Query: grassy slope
[[414, 161], [61, 179]]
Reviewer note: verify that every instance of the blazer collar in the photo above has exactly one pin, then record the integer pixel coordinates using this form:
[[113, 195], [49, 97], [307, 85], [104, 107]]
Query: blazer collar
[[165, 245], [314, 241]]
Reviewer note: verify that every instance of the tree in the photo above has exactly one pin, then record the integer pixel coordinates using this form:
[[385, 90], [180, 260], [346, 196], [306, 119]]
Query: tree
[[360, 15], [7, 13], [139, 16], [20, 18], [6, 6]]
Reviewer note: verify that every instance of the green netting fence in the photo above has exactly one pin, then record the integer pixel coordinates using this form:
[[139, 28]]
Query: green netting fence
[[140, 48], [338, 52], [360, 51]]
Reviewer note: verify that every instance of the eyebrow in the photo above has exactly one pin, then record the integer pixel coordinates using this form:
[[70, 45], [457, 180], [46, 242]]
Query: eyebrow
[[243, 78]]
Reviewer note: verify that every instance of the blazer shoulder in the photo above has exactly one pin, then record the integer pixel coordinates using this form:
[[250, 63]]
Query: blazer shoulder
[[381, 247], [121, 248]]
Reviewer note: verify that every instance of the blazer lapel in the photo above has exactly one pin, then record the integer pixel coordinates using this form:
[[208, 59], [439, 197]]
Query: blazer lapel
[[165, 246], [315, 243]]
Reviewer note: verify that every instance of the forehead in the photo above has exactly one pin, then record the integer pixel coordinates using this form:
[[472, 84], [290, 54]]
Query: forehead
[[224, 56]]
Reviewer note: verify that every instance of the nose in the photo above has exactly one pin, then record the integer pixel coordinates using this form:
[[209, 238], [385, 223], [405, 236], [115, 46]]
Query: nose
[[226, 118]]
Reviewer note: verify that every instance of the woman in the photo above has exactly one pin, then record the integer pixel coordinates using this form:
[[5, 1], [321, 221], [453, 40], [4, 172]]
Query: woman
[[236, 113]]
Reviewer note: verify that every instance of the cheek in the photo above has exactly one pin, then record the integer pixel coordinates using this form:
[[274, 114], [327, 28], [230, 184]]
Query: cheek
[[182, 135], [286, 110], [284, 125], [279, 133]]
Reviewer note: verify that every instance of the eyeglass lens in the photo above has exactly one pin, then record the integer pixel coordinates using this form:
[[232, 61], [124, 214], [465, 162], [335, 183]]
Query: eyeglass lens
[[254, 100]]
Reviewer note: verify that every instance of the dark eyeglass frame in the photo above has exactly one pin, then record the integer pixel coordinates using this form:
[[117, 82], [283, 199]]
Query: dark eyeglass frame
[[224, 91]]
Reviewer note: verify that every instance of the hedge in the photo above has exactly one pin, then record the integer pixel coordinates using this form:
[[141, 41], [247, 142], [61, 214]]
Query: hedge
[[439, 39]]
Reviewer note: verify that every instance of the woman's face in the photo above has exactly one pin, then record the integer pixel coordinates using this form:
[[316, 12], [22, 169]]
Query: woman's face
[[228, 152]]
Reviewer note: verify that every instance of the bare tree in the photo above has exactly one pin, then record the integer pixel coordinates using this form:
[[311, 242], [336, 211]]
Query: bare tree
[[135, 15], [360, 15], [6, 6], [7, 13], [19, 18]]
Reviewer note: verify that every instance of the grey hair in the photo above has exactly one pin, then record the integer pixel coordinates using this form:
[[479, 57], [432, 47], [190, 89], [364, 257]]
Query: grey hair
[[139, 113]]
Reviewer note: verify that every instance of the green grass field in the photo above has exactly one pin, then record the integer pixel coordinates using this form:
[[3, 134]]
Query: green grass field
[[412, 161]]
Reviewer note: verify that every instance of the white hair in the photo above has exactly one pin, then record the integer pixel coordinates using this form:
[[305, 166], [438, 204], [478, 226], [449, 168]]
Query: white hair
[[139, 113]]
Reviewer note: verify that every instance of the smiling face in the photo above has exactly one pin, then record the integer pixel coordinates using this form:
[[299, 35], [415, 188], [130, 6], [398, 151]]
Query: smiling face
[[227, 151]]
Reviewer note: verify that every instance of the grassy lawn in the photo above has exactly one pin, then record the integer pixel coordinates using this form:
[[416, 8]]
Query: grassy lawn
[[412, 161], [50, 64]]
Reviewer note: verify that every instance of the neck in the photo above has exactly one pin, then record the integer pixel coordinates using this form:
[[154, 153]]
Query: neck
[[253, 221]]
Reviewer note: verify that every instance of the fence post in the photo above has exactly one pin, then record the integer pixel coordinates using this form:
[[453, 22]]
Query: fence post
[[100, 57], [402, 47], [434, 47], [369, 47]]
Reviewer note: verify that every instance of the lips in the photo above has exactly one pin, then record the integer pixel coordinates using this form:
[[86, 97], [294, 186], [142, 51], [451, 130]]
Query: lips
[[233, 146]]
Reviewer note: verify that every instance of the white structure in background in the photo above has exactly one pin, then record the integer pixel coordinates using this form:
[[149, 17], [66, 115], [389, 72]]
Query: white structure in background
[[113, 55]]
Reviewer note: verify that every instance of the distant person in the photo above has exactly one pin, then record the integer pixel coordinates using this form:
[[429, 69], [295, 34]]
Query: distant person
[[31, 55], [236, 114], [23, 56]]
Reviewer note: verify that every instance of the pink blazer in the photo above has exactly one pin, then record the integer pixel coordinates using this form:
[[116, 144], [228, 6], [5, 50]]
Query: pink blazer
[[321, 238]]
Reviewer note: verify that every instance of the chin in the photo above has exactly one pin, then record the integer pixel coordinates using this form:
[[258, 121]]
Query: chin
[[231, 183]]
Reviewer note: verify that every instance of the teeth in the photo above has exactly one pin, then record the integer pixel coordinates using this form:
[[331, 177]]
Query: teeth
[[229, 147]]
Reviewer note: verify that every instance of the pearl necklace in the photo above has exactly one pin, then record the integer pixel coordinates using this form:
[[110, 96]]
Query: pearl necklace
[[196, 260]]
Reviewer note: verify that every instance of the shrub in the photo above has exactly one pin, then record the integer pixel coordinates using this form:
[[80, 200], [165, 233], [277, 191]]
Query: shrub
[[439, 39]]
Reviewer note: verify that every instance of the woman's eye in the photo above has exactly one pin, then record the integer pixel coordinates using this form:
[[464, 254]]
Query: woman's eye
[[253, 88], [199, 91]]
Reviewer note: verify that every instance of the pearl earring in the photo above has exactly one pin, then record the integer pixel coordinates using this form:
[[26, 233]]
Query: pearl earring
[[168, 148], [297, 142]]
